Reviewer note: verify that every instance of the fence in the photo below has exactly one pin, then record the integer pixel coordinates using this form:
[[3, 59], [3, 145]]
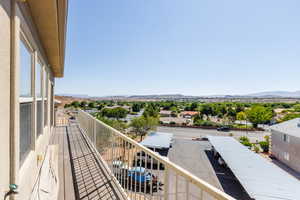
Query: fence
[[142, 173]]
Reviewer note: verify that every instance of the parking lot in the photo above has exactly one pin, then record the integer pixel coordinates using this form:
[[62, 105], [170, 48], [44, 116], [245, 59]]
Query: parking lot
[[195, 157], [191, 156], [189, 133]]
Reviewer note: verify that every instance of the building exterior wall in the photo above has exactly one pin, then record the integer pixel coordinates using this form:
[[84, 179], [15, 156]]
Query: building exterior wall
[[4, 95], [286, 151], [16, 23]]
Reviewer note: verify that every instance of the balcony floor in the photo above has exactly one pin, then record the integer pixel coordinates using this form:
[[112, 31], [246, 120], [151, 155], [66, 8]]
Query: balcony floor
[[82, 175]]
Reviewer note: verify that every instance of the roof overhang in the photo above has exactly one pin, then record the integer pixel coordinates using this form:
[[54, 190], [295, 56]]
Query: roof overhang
[[50, 18]]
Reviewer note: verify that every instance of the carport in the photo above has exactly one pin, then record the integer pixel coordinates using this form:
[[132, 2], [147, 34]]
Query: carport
[[261, 179]]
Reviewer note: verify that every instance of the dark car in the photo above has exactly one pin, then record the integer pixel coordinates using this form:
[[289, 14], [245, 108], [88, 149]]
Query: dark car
[[223, 128]]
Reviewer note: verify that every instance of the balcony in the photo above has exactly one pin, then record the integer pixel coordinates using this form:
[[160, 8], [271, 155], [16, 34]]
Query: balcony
[[99, 162]]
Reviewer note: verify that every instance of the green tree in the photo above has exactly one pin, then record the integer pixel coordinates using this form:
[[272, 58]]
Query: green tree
[[151, 110], [241, 116], [231, 113], [142, 125], [206, 109], [136, 107], [83, 104], [297, 107], [194, 106], [117, 113], [92, 105], [75, 104], [290, 116], [259, 115]]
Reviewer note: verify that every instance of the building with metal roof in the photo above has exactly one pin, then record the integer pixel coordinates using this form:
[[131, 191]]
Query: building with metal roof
[[261, 179], [285, 143], [158, 140], [291, 127]]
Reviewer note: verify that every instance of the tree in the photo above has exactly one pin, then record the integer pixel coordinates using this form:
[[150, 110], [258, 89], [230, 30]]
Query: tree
[[197, 118], [92, 105], [206, 109], [151, 111], [194, 106], [239, 108], [117, 113], [241, 116], [297, 107], [136, 107], [259, 115], [231, 113], [75, 104], [142, 125], [83, 104]]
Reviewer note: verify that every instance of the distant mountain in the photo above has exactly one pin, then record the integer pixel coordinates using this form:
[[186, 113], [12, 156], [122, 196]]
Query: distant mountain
[[158, 96], [271, 94], [75, 95]]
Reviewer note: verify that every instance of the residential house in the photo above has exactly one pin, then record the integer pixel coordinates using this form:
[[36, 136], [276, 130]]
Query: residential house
[[165, 113], [188, 114]]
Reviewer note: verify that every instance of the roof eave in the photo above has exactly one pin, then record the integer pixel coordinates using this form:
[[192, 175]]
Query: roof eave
[[50, 18]]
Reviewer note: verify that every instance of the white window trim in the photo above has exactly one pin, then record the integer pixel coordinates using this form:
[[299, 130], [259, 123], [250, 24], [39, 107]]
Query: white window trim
[[25, 99]]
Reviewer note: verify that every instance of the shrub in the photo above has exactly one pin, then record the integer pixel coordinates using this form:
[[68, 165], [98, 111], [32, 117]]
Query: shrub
[[247, 144], [173, 123], [206, 123], [244, 139], [256, 149], [265, 146]]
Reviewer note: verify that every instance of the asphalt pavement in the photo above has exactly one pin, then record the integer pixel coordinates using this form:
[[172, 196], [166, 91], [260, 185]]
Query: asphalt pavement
[[189, 133], [191, 156]]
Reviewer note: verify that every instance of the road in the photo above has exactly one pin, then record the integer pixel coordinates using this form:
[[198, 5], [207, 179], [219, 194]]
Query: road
[[189, 133]]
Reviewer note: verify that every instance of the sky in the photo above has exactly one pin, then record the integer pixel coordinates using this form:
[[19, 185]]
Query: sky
[[190, 47]]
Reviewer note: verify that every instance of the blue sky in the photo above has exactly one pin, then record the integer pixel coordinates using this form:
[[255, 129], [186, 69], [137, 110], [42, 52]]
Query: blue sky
[[192, 47]]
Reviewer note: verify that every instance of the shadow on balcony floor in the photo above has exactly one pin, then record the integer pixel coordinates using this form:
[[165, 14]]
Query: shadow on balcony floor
[[82, 174]]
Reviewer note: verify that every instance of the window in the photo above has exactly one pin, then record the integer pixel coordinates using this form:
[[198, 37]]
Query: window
[[286, 138], [286, 156], [38, 80], [25, 103], [25, 71]]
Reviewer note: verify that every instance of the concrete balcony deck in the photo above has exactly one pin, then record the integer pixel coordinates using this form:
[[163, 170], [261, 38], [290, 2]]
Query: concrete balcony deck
[[81, 173]]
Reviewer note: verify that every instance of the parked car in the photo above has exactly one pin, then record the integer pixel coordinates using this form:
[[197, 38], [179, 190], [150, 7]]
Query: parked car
[[200, 139], [136, 178], [142, 160], [223, 128]]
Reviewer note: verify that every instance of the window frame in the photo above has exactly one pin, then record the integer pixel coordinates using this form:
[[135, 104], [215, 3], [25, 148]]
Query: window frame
[[30, 50], [23, 100], [286, 138]]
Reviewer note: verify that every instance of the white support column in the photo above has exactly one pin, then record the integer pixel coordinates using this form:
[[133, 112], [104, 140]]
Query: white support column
[[34, 104], [14, 96]]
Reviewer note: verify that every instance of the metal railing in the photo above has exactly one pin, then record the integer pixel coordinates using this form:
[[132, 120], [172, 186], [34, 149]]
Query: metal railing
[[142, 173]]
